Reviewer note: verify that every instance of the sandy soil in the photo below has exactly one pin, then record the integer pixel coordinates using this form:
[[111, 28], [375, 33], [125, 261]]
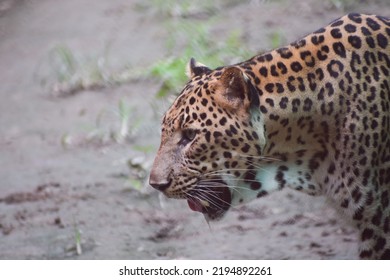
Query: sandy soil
[[65, 196]]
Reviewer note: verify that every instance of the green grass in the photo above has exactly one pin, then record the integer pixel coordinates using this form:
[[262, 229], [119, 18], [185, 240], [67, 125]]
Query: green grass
[[124, 113], [139, 167], [77, 238], [189, 39], [117, 125], [343, 5], [71, 72], [277, 39], [186, 8]]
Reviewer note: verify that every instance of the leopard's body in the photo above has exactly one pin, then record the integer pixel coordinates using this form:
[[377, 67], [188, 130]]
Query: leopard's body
[[313, 116]]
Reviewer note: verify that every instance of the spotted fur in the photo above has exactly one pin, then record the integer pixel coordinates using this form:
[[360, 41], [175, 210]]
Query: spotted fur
[[313, 116]]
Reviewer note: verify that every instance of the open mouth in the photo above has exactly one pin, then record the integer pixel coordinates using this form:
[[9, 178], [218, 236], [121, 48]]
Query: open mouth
[[211, 200]]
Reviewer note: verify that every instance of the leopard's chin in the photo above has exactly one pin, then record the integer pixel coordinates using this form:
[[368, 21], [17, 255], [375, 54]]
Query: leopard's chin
[[211, 200]]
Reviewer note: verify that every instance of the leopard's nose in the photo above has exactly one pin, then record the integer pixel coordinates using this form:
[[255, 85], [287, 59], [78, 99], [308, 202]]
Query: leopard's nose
[[159, 185], [160, 178]]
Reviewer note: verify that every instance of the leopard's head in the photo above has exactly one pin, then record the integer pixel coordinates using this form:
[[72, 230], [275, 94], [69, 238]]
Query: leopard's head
[[210, 139]]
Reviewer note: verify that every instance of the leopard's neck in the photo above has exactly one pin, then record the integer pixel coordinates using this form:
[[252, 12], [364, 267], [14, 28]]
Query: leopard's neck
[[294, 89]]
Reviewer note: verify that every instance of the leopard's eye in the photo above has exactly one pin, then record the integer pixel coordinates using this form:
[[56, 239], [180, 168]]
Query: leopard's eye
[[187, 136]]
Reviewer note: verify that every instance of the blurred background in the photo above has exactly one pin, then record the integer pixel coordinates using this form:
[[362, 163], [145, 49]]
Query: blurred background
[[83, 86]]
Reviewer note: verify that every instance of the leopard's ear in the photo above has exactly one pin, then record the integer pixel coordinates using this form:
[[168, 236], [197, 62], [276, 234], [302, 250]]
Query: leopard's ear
[[236, 89], [196, 69]]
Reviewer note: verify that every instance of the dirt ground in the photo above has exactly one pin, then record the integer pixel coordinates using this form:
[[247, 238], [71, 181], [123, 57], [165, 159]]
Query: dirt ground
[[65, 196]]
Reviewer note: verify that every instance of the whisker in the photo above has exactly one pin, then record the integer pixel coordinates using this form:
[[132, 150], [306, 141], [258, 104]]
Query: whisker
[[219, 172], [232, 187], [267, 158], [211, 202], [227, 169], [205, 191], [200, 195], [211, 180]]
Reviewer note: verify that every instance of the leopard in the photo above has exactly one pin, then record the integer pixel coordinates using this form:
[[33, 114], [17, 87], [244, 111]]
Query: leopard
[[312, 116]]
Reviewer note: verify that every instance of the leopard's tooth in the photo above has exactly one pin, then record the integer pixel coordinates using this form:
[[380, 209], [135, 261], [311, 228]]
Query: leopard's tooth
[[204, 203]]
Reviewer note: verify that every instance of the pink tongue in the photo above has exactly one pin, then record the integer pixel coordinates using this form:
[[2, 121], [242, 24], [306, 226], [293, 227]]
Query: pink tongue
[[195, 205]]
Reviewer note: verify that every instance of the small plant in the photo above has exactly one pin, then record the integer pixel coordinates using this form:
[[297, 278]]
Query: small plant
[[343, 5], [184, 8], [277, 39], [124, 112], [63, 62], [139, 166], [118, 125], [70, 73], [66, 140], [77, 238]]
